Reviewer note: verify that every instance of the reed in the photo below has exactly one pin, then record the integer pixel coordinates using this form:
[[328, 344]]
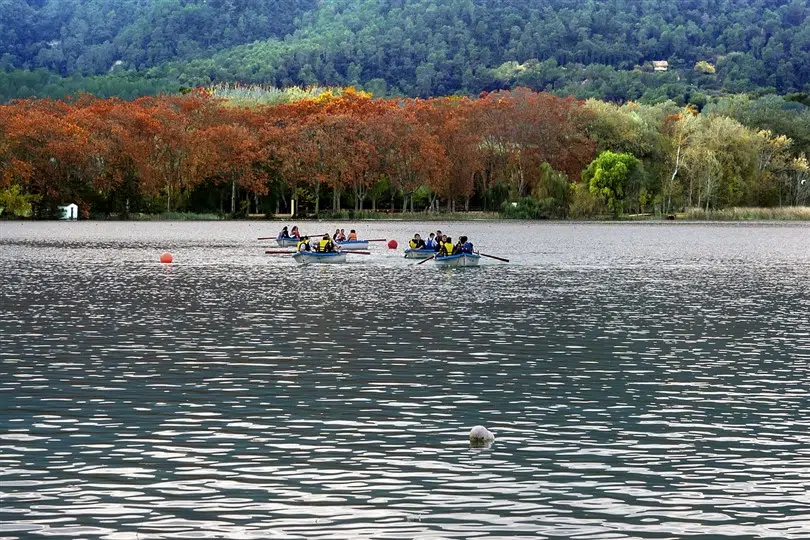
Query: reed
[[781, 213]]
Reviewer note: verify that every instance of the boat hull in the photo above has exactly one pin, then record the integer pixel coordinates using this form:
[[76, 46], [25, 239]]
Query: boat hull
[[353, 245], [287, 242], [462, 259], [312, 257], [419, 253]]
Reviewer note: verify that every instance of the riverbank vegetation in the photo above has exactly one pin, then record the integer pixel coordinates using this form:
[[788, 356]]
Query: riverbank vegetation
[[522, 153]]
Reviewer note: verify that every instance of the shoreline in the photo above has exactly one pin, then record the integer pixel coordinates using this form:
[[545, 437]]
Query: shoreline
[[729, 215]]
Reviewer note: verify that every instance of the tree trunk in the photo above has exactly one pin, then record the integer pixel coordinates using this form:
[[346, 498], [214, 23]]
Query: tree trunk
[[233, 198], [336, 200], [317, 198]]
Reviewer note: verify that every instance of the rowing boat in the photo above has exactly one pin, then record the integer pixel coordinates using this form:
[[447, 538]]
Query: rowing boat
[[287, 241], [353, 245], [314, 257], [460, 259], [419, 253]]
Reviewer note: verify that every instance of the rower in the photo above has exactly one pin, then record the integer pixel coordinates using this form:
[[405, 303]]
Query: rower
[[463, 246], [417, 242], [284, 233], [446, 248], [352, 236], [295, 233], [303, 244], [431, 243], [439, 241], [326, 245]]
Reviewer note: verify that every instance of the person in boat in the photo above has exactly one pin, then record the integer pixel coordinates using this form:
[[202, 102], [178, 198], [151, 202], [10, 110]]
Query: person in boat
[[336, 236], [284, 233], [439, 240], [326, 245], [342, 235], [431, 243], [303, 244], [446, 248], [294, 232], [352, 236], [463, 246], [417, 242]]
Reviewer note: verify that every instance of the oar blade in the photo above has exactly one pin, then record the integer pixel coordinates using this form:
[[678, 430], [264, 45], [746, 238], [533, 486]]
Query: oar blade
[[493, 257], [425, 260]]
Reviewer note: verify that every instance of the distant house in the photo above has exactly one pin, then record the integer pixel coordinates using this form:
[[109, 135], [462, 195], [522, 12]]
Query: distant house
[[660, 65], [70, 211]]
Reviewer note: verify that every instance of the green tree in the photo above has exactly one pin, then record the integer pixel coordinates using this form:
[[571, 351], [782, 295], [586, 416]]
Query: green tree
[[608, 175]]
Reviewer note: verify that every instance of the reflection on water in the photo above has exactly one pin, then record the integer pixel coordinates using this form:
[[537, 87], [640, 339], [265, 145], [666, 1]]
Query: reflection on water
[[643, 381]]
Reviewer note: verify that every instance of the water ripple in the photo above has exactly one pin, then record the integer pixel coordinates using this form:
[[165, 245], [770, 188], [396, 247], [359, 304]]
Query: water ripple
[[643, 381]]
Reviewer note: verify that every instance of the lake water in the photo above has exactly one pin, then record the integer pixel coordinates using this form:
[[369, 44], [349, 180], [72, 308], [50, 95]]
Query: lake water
[[642, 381]]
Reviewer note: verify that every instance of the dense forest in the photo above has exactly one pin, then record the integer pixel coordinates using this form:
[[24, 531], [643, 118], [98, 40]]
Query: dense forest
[[587, 49], [524, 153]]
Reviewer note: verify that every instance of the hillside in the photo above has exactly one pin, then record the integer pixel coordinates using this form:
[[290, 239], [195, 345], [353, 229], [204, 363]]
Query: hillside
[[599, 49]]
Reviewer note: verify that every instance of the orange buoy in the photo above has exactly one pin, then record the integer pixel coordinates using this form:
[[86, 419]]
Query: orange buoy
[[166, 257], [392, 244]]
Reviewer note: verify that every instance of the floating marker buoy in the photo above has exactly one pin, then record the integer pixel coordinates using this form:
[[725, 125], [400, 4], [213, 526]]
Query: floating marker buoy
[[481, 435], [166, 257], [392, 244]]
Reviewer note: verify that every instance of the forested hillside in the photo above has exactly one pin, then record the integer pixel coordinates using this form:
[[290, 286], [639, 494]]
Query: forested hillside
[[601, 49]]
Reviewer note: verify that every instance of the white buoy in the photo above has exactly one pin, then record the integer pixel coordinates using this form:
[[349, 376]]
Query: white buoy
[[480, 434]]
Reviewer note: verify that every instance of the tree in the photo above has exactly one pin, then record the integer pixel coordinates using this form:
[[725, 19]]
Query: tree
[[607, 176]]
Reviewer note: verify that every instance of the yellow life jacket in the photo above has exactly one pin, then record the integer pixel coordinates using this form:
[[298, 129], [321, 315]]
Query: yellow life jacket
[[447, 248], [412, 243], [323, 244], [301, 243]]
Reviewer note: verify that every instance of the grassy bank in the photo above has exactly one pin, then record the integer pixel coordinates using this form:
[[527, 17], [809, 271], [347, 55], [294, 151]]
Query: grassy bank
[[176, 216], [784, 213], [406, 216]]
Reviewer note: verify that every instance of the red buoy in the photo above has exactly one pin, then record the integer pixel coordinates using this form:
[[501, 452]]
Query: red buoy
[[166, 257], [392, 244]]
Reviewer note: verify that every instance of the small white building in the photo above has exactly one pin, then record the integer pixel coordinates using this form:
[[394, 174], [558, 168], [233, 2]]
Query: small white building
[[70, 211], [660, 65]]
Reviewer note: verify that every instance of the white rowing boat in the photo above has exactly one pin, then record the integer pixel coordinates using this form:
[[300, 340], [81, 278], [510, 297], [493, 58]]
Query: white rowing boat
[[287, 241], [313, 257], [411, 253], [352, 245], [460, 259]]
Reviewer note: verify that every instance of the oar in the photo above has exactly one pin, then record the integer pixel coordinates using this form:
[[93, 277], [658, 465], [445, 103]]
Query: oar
[[290, 237], [278, 252], [493, 257], [425, 260], [378, 240], [357, 252]]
